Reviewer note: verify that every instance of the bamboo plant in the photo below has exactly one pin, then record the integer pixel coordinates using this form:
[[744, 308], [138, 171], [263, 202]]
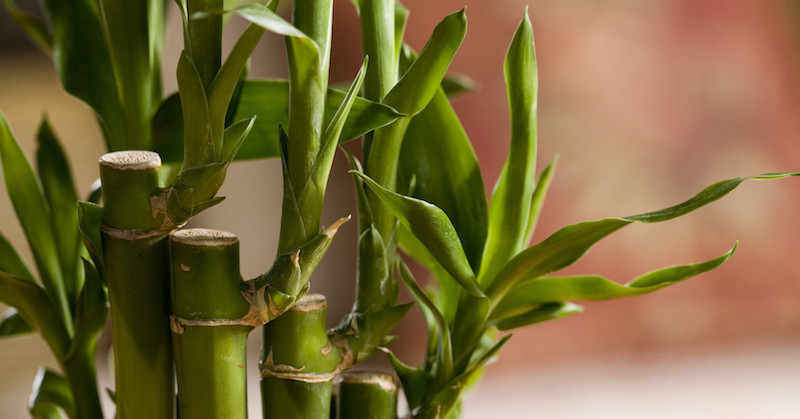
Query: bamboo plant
[[180, 310]]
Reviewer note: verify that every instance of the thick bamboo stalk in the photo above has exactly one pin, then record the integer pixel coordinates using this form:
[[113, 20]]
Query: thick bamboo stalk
[[366, 394], [137, 273], [210, 346], [299, 362]]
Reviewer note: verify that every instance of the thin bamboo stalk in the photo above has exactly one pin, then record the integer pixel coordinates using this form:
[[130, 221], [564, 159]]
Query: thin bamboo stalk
[[209, 345], [137, 273], [366, 394], [300, 362]]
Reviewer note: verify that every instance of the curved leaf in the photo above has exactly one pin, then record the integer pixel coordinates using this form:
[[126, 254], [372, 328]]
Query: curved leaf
[[536, 291], [11, 262], [90, 216], [510, 208], [432, 227], [539, 314], [50, 392], [198, 135], [418, 85], [454, 184]]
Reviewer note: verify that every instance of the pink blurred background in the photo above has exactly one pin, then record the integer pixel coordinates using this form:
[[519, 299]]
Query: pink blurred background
[[646, 103]]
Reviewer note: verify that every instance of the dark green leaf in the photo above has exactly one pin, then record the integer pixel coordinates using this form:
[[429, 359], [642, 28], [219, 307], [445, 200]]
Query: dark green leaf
[[510, 208], [50, 391], [456, 84], [453, 184], [415, 381], [12, 324], [432, 227], [234, 137], [11, 262], [33, 27], [59, 190], [29, 204], [364, 210], [539, 314], [37, 309], [536, 291], [90, 218], [90, 313], [198, 136], [418, 85]]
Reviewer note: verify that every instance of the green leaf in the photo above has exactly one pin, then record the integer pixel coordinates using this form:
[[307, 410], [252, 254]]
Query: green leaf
[[400, 20], [234, 137], [366, 331], [456, 84], [59, 190], [415, 381], [539, 314], [12, 324], [418, 85], [437, 329], [510, 208], [33, 27], [269, 101], [432, 227], [11, 262], [83, 63], [90, 218], [453, 184], [363, 207], [537, 291], [539, 194], [266, 18], [90, 313], [29, 204], [198, 136], [50, 392], [37, 309]]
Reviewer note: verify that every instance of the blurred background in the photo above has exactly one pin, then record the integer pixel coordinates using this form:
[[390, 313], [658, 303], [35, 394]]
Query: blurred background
[[646, 103]]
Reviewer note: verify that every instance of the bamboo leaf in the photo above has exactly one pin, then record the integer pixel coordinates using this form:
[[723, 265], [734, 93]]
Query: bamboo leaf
[[432, 227], [371, 328], [263, 140], [453, 184], [83, 63], [536, 291], [415, 381], [90, 313], [364, 210], [59, 191], [90, 218], [36, 30], [12, 324], [444, 348], [539, 194], [37, 309], [29, 204], [539, 314], [418, 85], [400, 20], [510, 208], [11, 262], [50, 392], [456, 84], [266, 18], [197, 128], [234, 137]]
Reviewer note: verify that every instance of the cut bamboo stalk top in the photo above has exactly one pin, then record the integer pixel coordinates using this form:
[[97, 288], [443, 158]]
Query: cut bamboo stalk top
[[310, 302], [380, 379], [204, 237], [137, 160]]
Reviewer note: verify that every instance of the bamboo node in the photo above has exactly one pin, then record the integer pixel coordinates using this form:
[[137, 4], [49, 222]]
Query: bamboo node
[[287, 372]]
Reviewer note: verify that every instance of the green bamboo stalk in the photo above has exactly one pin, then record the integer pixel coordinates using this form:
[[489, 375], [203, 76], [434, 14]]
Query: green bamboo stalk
[[366, 394], [137, 273], [300, 362], [204, 37], [209, 343]]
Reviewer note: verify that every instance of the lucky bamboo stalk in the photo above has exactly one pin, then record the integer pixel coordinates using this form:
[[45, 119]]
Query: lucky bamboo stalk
[[300, 362], [137, 274], [209, 340], [366, 394]]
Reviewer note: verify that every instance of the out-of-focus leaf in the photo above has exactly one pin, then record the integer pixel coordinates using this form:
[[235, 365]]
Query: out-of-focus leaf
[[11, 262], [432, 227], [535, 291], [539, 314], [510, 207], [90, 313], [90, 218], [37, 309], [50, 392], [456, 84], [418, 85], [29, 204], [539, 194], [33, 27], [59, 190], [83, 63], [269, 101], [444, 350], [454, 183], [12, 324], [400, 19], [266, 18]]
